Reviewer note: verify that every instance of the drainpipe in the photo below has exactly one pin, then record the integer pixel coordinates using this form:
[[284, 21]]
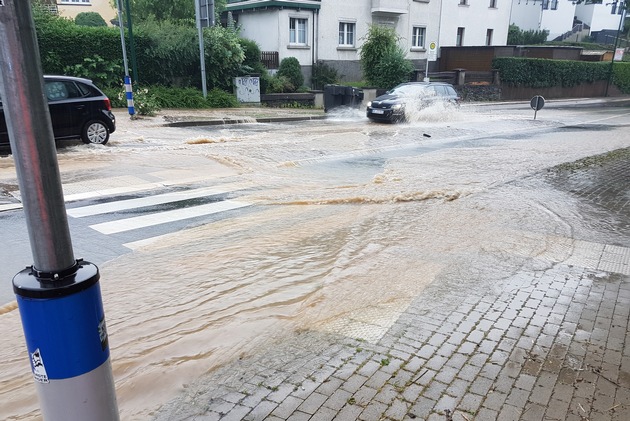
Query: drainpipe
[[439, 43]]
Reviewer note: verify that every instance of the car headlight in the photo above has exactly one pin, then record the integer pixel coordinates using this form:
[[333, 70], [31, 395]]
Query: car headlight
[[396, 107], [369, 104]]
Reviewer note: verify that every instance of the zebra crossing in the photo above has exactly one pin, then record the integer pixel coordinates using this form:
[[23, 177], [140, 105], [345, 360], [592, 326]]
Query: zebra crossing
[[155, 213]]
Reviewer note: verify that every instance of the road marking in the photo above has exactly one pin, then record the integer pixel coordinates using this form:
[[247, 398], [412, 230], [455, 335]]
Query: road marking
[[144, 221], [143, 202], [10, 206]]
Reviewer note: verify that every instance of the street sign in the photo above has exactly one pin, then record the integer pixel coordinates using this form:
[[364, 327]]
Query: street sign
[[432, 53], [537, 103], [618, 54]]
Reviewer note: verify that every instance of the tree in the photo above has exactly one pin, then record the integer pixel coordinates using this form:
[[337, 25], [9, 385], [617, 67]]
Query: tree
[[383, 60], [224, 56], [162, 10], [89, 19]]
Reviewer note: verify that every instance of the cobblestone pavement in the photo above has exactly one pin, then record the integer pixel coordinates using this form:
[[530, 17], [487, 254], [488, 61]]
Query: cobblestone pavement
[[546, 343]]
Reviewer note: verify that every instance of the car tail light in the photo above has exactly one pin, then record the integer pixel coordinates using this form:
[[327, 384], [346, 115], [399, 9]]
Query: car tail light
[[108, 104]]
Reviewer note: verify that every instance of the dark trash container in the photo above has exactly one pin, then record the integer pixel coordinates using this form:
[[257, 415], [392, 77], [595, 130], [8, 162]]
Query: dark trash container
[[341, 96]]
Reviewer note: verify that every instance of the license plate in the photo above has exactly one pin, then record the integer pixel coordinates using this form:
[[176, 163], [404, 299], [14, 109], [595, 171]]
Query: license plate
[[378, 112]]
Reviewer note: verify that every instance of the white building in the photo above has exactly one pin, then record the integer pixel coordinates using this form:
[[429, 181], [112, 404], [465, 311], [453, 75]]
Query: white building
[[566, 20], [71, 8], [332, 31], [601, 18], [556, 16]]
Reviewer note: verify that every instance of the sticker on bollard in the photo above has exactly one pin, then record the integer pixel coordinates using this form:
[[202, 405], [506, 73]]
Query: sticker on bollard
[[64, 322]]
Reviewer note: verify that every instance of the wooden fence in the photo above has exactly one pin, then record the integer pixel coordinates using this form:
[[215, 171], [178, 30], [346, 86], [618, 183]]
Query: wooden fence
[[270, 59]]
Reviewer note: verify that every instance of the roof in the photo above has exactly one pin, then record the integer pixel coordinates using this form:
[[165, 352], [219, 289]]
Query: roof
[[237, 5]]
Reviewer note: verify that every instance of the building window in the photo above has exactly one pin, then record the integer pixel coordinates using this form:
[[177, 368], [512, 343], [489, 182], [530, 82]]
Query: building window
[[493, 4], [346, 34], [545, 4], [463, 2], [76, 1], [554, 4], [489, 33], [460, 37], [297, 31], [418, 36]]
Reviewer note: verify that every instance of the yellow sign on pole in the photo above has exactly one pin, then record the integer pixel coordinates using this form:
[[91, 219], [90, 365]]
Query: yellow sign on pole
[[432, 53]]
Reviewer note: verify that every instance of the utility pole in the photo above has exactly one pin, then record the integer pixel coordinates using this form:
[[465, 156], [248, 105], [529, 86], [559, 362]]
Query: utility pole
[[204, 13], [621, 4], [128, 89], [132, 45], [59, 297]]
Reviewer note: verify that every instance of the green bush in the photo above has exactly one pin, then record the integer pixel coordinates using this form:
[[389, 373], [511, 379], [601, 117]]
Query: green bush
[[218, 98], [179, 97], [167, 54], [224, 57], [516, 36], [394, 69], [621, 77], [323, 75], [113, 93], [380, 53], [251, 61], [103, 73], [89, 19], [279, 84], [290, 68], [542, 73]]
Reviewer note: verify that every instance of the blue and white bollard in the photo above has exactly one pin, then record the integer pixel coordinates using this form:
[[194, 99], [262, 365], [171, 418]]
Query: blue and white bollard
[[64, 325], [129, 93]]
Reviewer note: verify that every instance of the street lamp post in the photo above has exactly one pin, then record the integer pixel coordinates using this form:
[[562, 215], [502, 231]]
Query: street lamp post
[[622, 5]]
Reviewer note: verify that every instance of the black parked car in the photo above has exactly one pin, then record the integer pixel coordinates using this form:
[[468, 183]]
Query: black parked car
[[78, 109], [391, 106]]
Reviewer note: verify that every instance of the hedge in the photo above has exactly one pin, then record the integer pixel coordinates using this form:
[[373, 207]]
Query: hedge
[[544, 73], [621, 76]]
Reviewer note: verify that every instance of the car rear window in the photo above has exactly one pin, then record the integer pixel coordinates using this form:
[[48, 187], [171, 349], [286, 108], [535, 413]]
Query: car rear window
[[84, 89], [59, 90]]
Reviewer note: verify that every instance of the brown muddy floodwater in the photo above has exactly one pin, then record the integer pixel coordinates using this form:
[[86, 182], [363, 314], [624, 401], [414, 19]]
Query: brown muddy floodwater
[[349, 217]]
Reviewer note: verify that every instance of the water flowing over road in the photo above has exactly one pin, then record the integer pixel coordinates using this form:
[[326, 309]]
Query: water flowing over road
[[344, 222]]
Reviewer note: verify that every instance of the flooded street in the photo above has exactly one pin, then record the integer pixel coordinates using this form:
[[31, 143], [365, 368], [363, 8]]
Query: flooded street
[[346, 222]]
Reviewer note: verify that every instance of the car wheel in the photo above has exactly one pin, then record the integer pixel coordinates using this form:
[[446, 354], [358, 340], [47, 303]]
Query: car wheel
[[96, 132]]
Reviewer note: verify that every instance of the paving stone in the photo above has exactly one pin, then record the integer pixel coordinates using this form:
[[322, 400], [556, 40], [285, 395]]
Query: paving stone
[[338, 399], [312, 403], [261, 411], [287, 407], [373, 411], [397, 410]]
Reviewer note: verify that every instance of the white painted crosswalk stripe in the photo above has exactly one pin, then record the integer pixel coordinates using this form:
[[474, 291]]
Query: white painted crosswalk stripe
[[144, 221], [143, 201]]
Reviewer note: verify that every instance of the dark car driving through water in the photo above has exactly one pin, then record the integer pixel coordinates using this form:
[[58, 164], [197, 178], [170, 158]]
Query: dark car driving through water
[[78, 109], [392, 106]]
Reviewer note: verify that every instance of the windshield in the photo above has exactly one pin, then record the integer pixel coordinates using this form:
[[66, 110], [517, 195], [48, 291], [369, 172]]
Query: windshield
[[412, 90]]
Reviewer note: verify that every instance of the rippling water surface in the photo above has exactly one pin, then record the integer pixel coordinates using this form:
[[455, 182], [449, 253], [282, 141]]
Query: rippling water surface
[[348, 215]]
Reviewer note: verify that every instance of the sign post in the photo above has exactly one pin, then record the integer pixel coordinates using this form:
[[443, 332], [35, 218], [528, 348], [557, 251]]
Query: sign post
[[431, 56], [537, 103], [59, 297]]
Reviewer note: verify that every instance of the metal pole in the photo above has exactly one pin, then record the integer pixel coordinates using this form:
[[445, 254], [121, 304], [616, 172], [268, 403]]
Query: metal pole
[[132, 46], [58, 297], [612, 62], [128, 89], [202, 55]]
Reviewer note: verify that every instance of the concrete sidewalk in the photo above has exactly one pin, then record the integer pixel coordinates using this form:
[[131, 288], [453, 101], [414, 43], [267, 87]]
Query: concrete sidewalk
[[549, 342]]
